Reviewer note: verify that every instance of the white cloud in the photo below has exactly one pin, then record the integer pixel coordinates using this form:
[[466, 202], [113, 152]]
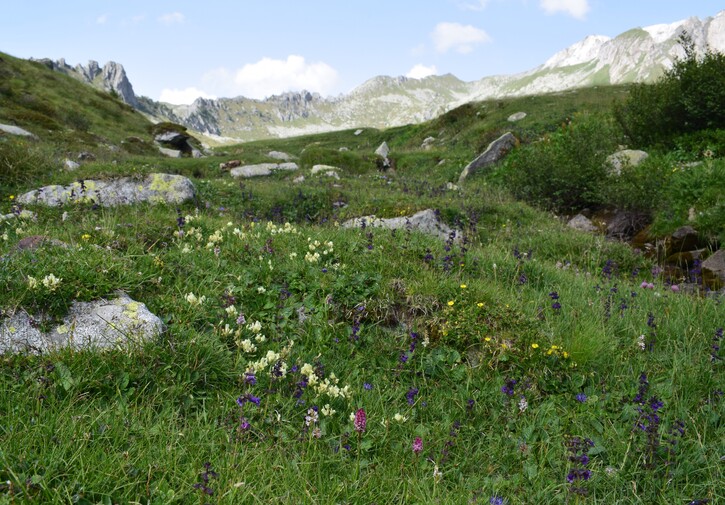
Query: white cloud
[[182, 96], [102, 19], [419, 71], [271, 77], [172, 18], [575, 8], [460, 38]]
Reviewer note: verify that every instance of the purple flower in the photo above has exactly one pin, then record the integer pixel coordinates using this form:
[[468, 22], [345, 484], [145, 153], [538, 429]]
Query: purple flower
[[367, 386], [417, 445], [508, 387], [581, 397], [496, 500], [410, 395], [249, 378], [361, 421]]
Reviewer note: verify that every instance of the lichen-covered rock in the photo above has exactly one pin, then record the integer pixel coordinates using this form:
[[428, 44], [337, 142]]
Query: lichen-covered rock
[[279, 155], [327, 170], [424, 221], [581, 223], [101, 324], [155, 188], [625, 158], [713, 270]]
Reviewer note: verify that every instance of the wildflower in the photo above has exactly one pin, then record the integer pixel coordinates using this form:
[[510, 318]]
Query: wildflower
[[463, 286], [479, 304], [508, 387], [410, 395], [675, 288], [399, 418], [367, 386], [32, 282], [417, 445], [85, 236], [192, 299], [450, 303], [249, 378], [523, 404], [437, 474], [328, 411], [578, 449], [261, 290], [496, 500], [581, 397], [311, 417], [534, 345], [360, 421], [51, 282]]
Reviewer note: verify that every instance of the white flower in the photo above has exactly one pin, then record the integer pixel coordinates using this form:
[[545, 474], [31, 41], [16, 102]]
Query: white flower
[[260, 338], [292, 255], [247, 346], [400, 418], [51, 282], [261, 290], [523, 404], [32, 282], [192, 299], [231, 311], [255, 327], [437, 474], [328, 411]]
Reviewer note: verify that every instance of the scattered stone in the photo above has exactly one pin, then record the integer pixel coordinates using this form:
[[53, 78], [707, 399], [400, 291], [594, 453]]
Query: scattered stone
[[16, 130], [452, 187], [684, 238], [495, 151], [517, 116], [24, 214], [624, 225], [86, 156], [228, 165], [70, 165], [358, 132], [101, 324], [424, 221], [625, 158], [155, 188], [33, 242], [427, 143], [343, 149], [171, 153], [713, 270], [581, 223], [327, 170], [299, 179], [278, 155], [261, 169], [383, 150]]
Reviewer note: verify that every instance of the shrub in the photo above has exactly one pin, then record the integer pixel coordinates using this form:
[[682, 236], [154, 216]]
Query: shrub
[[565, 170], [690, 97]]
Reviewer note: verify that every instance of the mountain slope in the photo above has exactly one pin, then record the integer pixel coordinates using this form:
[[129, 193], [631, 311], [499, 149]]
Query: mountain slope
[[638, 55]]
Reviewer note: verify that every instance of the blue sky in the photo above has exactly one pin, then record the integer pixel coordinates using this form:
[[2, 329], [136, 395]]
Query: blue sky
[[177, 50]]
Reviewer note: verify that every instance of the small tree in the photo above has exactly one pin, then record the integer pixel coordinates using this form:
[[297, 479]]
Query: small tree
[[690, 97]]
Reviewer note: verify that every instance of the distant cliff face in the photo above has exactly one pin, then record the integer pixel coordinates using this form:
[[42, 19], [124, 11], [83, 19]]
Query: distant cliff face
[[638, 55], [112, 77]]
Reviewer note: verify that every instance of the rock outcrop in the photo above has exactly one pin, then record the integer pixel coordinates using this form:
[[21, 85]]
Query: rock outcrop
[[424, 221], [261, 169], [101, 324], [625, 158], [16, 130], [495, 151], [155, 188]]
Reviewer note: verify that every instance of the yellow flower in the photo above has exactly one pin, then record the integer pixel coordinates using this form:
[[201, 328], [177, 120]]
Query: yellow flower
[[534, 346], [487, 339], [85, 236], [566, 354], [12, 197], [480, 304], [463, 286], [450, 303]]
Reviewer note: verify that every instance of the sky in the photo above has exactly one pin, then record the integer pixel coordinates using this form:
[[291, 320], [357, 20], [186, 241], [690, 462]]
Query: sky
[[175, 51]]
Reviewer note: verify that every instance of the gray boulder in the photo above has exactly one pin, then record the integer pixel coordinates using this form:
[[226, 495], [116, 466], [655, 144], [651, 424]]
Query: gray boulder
[[261, 169], [278, 155], [383, 150], [327, 170], [495, 151], [713, 270], [625, 158], [427, 143], [16, 130], [517, 116], [155, 188], [171, 153], [581, 223], [101, 324], [424, 221], [70, 165]]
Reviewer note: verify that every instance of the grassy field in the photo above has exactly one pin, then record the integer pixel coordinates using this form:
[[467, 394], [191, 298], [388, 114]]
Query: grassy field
[[304, 362]]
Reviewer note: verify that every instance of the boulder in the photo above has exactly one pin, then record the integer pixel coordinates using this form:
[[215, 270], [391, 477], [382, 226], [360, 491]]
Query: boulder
[[101, 324], [15, 130], [517, 116], [86, 156], [261, 169], [155, 188], [684, 238], [171, 153], [23, 214], [327, 170], [383, 150], [174, 140], [625, 158], [427, 143], [581, 223], [278, 155], [70, 165], [713, 270], [495, 151], [424, 221], [358, 132]]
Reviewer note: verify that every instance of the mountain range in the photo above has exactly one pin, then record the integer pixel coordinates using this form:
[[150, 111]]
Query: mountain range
[[637, 55]]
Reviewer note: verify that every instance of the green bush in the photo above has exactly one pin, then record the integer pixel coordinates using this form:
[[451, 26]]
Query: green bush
[[690, 97], [566, 170]]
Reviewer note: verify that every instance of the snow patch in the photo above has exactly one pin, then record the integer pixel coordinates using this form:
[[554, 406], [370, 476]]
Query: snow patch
[[662, 32]]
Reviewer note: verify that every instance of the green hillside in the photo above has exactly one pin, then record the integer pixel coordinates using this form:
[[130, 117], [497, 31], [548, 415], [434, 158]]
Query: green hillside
[[303, 361]]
